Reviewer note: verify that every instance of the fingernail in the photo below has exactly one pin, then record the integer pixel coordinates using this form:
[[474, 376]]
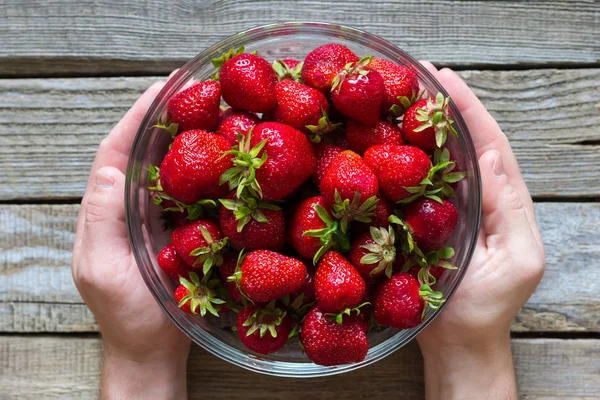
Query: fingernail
[[498, 166], [104, 180]]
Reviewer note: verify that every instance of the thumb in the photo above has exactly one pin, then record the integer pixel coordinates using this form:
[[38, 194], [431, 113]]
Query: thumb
[[505, 223], [104, 228]]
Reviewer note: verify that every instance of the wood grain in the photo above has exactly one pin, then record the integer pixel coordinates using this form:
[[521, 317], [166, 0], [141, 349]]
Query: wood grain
[[69, 367], [50, 128], [38, 295], [110, 36]]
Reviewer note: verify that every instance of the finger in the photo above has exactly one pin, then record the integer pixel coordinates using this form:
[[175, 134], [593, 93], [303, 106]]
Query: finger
[[505, 222], [429, 66], [172, 74], [487, 135]]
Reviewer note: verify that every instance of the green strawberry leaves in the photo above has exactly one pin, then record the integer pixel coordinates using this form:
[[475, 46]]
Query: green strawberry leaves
[[203, 296], [171, 127], [383, 252], [211, 254], [436, 115], [246, 209], [323, 127], [285, 72], [332, 236]]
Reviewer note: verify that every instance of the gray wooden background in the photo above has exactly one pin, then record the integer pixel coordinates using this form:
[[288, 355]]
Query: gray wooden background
[[70, 69]]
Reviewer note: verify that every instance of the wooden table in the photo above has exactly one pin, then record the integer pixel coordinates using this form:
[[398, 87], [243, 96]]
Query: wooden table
[[72, 68]]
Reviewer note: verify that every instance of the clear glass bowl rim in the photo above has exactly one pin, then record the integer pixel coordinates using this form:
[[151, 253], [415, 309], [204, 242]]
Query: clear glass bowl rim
[[162, 296]]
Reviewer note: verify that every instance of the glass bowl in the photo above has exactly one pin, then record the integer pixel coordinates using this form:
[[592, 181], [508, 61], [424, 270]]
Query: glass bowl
[[279, 41]]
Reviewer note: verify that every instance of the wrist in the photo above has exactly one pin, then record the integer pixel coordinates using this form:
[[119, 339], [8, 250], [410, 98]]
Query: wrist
[[482, 369], [156, 375]]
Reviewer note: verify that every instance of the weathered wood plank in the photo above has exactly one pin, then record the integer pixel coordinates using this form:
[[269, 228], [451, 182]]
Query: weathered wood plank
[[50, 128], [35, 268], [69, 367], [110, 36]]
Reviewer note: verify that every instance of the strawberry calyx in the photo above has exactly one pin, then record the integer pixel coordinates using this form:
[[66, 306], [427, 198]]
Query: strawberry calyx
[[346, 211], [242, 176], [433, 299], [171, 127], [397, 110], [339, 317], [407, 245], [349, 70], [297, 311], [435, 258], [219, 61], [436, 115], [383, 252], [285, 72], [203, 295], [211, 254], [331, 236], [194, 211], [265, 320], [323, 127], [437, 184], [246, 209], [237, 276]]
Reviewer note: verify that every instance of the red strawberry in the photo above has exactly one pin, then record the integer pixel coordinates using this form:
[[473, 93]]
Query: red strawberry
[[171, 263], [398, 167], [267, 275], [397, 302], [383, 209], [374, 253], [350, 187], [312, 231], [280, 157], [196, 107], [197, 296], [338, 285], [398, 80], [263, 329], [288, 69], [328, 343], [323, 63], [308, 288], [427, 122], [234, 122], [298, 105], [361, 137], [358, 92], [248, 83], [431, 223], [325, 152], [252, 224], [227, 269], [192, 167], [199, 244]]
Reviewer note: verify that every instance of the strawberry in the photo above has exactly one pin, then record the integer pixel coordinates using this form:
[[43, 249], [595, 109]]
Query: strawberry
[[328, 343], [308, 288], [171, 263], [430, 223], [397, 167], [338, 285], [234, 122], [312, 231], [427, 122], [193, 165], [271, 162], [265, 275], [361, 137], [288, 69], [195, 108], [350, 187], [325, 153], [383, 209], [373, 253], [199, 244], [399, 302], [263, 329], [298, 105], [227, 269], [252, 224], [247, 82], [400, 83], [197, 296], [323, 63], [430, 267], [358, 92]]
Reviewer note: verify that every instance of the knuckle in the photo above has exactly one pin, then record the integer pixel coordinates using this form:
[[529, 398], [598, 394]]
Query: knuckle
[[95, 209]]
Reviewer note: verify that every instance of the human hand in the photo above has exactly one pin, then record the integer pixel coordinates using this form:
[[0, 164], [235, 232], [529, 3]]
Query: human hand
[[507, 265], [145, 355]]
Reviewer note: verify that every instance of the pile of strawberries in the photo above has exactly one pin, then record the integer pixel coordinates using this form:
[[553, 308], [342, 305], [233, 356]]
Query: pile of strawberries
[[316, 206]]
